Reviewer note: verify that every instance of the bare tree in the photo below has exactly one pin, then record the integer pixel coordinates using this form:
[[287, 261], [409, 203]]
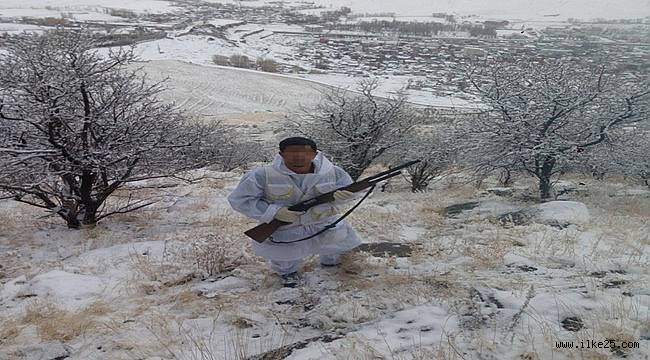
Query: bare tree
[[77, 126], [436, 154], [355, 129], [627, 155], [236, 149], [542, 116]]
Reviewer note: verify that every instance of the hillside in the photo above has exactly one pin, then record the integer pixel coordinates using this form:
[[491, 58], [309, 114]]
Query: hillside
[[461, 285]]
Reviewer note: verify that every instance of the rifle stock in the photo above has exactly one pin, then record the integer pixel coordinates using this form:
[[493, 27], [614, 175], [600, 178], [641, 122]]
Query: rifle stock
[[263, 231]]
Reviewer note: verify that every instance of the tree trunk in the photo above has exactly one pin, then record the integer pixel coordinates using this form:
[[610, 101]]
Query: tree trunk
[[68, 212], [504, 177], [90, 215], [544, 174], [76, 215]]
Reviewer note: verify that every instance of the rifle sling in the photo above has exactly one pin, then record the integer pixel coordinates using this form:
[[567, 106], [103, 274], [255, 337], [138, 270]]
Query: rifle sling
[[330, 226]]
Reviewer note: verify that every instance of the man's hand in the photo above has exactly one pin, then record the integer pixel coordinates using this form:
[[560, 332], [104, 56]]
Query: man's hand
[[343, 195], [286, 215]]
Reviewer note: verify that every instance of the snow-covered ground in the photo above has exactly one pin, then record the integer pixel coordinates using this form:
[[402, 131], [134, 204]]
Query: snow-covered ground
[[210, 91], [200, 50], [9, 7], [473, 286]]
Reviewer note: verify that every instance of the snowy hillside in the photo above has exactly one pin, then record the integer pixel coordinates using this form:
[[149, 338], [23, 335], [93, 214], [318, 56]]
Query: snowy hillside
[[220, 91], [472, 280]]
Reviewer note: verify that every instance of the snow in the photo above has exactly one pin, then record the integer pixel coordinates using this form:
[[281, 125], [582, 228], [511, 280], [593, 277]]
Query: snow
[[572, 212], [471, 287], [18, 28], [20, 12], [223, 91], [469, 281], [425, 325], [68, 289], [19, 7], [230, 284], [390, 86], [530, 10]]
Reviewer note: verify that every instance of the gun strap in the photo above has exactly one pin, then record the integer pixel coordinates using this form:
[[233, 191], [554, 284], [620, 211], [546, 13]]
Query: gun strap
[[330, 226]]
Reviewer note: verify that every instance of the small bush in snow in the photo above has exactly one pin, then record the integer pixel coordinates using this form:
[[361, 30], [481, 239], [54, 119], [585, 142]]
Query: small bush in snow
[[216, 253], [240, 61], [221, 60], [267, 65]]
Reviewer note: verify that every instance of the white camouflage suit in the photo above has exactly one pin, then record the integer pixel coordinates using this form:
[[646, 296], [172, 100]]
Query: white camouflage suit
[[266, 189]]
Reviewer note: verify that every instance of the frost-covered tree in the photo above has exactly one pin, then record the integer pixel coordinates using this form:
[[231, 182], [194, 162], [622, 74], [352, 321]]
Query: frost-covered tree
[[76, 126], [543, 116], [236, 149], [627, 154], [434, 149], [357, 128]]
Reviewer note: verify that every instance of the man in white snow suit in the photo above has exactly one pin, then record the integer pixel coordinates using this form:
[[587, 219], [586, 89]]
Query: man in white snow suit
[[298, 172]]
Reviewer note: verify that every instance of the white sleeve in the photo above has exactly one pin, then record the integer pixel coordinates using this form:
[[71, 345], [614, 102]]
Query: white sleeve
[[248, 197], [343, 179]]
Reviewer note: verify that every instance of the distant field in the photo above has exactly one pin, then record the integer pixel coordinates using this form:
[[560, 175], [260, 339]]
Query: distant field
[[223, 93]]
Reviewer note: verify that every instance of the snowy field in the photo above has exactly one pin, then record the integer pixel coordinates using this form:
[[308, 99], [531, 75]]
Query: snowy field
[[19, 7], [472, 286], [214, 91]]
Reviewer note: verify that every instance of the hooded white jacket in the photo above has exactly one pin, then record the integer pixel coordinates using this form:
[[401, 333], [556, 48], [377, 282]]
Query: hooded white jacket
[[264, 190]]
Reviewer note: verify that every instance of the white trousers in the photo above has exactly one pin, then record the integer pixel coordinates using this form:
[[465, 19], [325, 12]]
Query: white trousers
[[288, 267]]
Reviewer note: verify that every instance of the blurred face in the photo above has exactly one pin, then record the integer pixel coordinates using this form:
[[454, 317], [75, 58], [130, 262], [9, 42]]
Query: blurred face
[[298, 158]]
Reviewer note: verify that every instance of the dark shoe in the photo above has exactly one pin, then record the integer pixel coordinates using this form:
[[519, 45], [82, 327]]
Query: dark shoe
[[290, 280]]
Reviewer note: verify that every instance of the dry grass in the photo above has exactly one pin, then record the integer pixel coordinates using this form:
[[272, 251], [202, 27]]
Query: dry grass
[[21, 221], [9, 330], [378, 226], [55, 323]]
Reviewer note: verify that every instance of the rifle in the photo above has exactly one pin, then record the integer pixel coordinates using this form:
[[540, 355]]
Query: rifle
[[262, 231]]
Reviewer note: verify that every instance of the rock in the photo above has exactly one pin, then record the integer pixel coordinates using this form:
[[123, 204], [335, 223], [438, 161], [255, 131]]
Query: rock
[[45, 351], [558, 214], [500, 191], [614, 284], [521, 217], [458, 208], [526, 268], [645, 193], [383, 248], [230, 284], [562, 262], [572, 323], [598, 274], [562, 213]]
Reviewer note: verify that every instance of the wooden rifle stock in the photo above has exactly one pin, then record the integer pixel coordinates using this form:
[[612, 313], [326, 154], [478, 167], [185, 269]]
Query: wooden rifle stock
[[263, 231]]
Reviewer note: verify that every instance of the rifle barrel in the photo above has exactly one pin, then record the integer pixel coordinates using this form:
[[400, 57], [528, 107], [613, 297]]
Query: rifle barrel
[[391, 170]]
